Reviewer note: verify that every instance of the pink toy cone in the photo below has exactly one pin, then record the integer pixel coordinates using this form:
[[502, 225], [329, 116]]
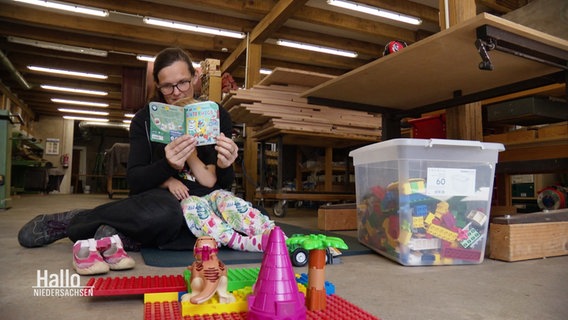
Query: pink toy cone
[[275, 294]]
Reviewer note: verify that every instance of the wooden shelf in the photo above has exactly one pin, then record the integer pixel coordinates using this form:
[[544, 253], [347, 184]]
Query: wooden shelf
[[542, 143], [448, 56]]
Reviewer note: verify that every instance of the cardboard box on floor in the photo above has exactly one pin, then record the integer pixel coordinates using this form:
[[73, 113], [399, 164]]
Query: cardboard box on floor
[[337, 217], [529, 236]]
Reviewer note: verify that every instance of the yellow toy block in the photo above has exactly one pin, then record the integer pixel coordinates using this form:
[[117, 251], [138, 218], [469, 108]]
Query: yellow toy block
[[404, 237], [413, 186], [429, 218], [362, 207], [418, 222], [442, 233], [161, 297], [442, 208], [213, 306]]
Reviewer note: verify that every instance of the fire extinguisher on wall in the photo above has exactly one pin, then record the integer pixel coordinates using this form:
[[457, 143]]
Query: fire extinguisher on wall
[[65, 160]]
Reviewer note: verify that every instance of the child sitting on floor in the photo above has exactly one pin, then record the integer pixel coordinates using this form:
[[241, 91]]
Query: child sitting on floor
[[211, 211]]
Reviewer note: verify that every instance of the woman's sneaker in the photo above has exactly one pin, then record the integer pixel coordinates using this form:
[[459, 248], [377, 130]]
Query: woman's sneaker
[[86, 258], [113, 253], [46, 228]]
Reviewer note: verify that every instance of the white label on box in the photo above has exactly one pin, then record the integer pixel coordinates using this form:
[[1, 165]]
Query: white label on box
[[450, 182], [522, 178]]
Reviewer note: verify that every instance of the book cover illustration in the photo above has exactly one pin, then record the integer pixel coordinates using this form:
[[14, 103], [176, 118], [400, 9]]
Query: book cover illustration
[[200, 120]]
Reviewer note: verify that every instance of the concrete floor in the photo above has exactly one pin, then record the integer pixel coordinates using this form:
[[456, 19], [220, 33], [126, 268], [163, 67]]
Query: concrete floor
[[535, 289]]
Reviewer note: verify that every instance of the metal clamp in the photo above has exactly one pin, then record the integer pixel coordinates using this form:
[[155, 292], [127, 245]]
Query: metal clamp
[[483, 47]]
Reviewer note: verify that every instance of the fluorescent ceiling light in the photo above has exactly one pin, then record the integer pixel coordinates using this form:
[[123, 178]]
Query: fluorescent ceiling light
[[193, 28], [68, 7], [147, 58], [265, 71], [93, 123], [94, 113], [129, 115], [126, 121], [68, 72], [74, 90], [375, 11], [85, 118], [80, 103], [58, 46], [312, 47]]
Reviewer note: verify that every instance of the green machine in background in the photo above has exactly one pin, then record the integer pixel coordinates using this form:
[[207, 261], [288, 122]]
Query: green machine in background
[[5, 158]]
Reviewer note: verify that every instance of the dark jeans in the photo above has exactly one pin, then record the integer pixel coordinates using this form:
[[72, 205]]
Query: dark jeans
[[154, 218]]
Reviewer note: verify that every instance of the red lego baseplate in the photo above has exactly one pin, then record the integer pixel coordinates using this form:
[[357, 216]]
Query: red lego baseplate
[[172, 311], [120, 286], [337, 308], [162, 310]]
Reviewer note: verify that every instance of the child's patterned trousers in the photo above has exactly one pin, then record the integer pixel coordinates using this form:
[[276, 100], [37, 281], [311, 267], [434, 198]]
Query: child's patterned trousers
[[232, 221]]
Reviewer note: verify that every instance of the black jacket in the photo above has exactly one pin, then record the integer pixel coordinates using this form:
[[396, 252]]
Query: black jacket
[[147, 165]]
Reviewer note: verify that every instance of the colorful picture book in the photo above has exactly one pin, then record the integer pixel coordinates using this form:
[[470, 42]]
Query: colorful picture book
[[200, 120]]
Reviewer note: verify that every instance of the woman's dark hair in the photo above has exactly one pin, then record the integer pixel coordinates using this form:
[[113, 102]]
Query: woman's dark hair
[[166, 58]]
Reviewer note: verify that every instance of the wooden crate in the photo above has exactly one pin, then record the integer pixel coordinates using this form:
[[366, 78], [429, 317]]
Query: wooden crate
[[529, 236], [553, 131], [337, 217], [517, 136]]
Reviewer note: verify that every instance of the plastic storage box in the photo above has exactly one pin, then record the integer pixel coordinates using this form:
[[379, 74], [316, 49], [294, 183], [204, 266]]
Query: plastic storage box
[[425, 201]]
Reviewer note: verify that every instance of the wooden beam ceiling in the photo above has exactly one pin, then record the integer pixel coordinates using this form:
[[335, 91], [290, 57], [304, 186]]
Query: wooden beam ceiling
[[123, 35]]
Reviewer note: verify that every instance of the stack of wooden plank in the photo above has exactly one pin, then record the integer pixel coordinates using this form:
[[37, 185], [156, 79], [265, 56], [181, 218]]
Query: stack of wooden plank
[[274, 107]]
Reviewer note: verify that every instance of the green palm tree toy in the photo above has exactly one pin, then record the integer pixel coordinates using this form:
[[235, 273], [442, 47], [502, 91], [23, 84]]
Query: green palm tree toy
[[316, 245]]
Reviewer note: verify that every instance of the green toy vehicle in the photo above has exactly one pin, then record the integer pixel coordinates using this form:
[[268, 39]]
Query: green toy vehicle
[[299, 255]]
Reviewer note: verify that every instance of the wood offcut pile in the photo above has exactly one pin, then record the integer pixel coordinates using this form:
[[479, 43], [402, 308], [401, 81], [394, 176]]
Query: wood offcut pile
[[274, 107]]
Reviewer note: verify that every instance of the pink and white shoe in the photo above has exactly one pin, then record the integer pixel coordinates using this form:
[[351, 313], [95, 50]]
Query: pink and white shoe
[[86, 258], [113, 253]]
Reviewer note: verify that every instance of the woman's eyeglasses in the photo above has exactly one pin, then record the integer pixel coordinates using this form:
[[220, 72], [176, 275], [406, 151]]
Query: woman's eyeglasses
[[168, 89]]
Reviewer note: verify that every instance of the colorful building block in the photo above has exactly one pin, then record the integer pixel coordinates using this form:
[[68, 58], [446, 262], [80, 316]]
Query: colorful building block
[[428, 258], [413, 186], [429, 218], [404, 236], [420, 210], [378, 192], [478, 217], [442, 233], [161, 297], [449, 220], [119, 286], [418, 222], [424, 244], [167, 310], [441, 208], [213, 306], [459, 253], [412, 258], [472, 237], [303, 280]]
